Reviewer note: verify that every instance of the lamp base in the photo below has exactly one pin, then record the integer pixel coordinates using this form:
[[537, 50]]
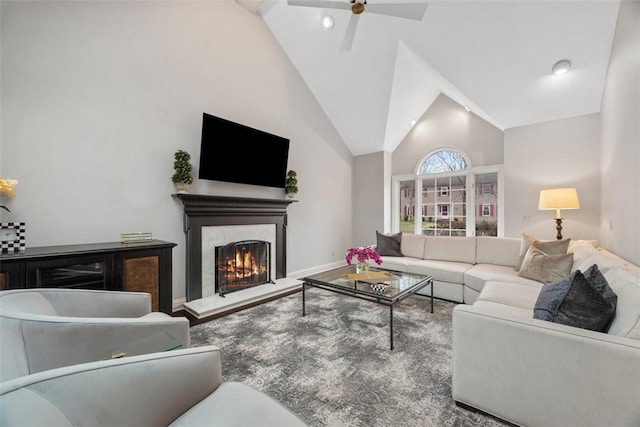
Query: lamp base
[[559, 228]]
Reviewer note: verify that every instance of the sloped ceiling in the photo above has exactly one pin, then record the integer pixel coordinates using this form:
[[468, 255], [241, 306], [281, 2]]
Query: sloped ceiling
[[494, 57]]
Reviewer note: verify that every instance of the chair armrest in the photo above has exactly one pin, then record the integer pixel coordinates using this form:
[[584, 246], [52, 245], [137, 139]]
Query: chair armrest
[[533, 372], [153, 389], [52, 342], [97, 303]]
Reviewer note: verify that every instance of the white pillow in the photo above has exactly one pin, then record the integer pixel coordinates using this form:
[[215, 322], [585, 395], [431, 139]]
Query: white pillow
[[626, 285]]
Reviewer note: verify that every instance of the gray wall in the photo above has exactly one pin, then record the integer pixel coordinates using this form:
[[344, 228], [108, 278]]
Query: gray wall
[[97, 96], [560, 153], [447, 124], [620, 159]]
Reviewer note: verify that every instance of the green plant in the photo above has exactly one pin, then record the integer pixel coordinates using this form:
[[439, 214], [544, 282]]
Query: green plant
[[182, 168], [291, 183]]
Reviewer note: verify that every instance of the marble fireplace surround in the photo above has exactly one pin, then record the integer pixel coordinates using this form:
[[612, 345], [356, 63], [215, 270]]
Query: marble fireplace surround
[[204, 211]]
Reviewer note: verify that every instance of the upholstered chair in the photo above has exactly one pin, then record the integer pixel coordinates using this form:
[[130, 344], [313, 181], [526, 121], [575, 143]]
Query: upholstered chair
[[42, 329], [173, 388]]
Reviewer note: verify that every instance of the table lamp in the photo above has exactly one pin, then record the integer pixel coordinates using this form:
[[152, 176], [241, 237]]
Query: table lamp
[[557, 199]]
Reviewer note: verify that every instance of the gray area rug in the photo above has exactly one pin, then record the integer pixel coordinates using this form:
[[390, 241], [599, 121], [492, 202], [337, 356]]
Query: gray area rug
[[335, 364]]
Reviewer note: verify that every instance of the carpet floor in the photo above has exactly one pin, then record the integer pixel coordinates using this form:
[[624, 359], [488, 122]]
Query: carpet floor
[[335, 365]]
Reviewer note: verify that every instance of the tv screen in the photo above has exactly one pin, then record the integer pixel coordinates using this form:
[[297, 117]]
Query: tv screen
[[232, 152]]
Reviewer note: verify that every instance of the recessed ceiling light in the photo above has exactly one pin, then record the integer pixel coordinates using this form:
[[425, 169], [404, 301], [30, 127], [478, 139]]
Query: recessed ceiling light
[[327, 21], [561, 66], [413, 122], [467, 108]]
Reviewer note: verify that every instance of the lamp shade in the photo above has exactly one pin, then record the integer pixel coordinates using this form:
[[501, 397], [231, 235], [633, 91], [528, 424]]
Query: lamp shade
[[559, 198]]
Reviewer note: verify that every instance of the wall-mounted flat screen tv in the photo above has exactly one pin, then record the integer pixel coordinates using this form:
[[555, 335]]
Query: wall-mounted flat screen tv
[[232, 152]]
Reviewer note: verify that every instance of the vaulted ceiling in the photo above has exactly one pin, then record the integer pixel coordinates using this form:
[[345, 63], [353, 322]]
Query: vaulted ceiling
[[494, 57]]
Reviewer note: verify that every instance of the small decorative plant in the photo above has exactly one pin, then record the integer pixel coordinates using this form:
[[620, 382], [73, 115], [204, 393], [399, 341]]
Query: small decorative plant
[[291, 183], [7, 186], [182, 167]]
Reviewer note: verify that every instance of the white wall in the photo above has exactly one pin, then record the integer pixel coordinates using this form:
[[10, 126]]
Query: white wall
[[620, 160], [97, 96], [560, 153], [370, 197], [447, 124]]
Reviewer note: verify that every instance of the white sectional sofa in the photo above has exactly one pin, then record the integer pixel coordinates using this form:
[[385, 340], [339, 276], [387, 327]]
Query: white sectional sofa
[[520, 369]]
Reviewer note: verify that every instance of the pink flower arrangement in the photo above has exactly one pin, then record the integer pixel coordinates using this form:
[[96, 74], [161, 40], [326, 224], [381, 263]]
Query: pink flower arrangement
[[362, 254]]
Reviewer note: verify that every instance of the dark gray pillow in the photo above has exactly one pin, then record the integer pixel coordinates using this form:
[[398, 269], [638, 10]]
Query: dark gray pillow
[[582, 300], [388, 244]]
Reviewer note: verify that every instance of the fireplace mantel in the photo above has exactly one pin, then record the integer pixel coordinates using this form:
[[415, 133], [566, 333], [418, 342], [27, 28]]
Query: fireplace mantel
[[205, 210]]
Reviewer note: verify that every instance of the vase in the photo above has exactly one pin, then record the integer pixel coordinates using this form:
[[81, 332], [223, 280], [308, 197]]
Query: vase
[[361, 267], [291, 195], [182, 187]]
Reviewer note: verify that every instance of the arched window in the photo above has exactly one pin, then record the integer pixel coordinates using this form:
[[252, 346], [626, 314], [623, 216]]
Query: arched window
[[445, 160]]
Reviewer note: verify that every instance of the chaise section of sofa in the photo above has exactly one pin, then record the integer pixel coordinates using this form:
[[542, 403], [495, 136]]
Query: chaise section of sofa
[[533, 372]]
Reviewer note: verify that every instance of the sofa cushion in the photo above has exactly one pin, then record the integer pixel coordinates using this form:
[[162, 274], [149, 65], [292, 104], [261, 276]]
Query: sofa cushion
[[582, 300], [626, 320], [412, 245], [444, 271], [510, 294], [237, 404], [497, 250], [545, 268], [457, 249], [550, 247], [478, 275], [388, 244], [397, 262]]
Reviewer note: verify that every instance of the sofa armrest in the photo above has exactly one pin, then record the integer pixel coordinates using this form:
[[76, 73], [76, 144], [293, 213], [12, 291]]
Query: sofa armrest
[[153, 389], [531, 372]]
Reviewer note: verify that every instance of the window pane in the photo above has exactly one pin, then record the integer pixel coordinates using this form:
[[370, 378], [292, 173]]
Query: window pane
[[443, 161], [444, 206], [487, 204], [407, 206]]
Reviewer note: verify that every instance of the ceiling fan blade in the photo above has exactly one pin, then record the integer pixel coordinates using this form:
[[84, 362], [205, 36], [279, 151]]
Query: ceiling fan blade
[[401, 10], [321, 3], [350, 34]]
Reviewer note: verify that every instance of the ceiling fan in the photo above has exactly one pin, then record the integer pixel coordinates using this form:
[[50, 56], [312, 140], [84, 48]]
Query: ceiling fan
[[413, 11]]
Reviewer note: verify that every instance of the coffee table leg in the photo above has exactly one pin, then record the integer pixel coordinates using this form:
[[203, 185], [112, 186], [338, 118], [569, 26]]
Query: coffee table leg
[[303, 288], [431, 296], [391, 325]]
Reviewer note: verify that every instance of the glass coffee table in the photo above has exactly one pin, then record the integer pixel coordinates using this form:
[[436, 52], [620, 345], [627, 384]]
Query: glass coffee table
[[378, 285]]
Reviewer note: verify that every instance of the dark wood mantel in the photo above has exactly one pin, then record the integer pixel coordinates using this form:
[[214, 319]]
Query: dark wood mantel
[[205, 210]]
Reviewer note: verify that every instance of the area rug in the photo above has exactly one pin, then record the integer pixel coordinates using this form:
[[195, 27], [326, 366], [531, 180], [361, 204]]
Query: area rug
[[334, 365]]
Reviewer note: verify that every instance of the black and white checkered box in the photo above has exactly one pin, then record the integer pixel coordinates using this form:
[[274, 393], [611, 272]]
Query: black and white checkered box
[[14, 236]]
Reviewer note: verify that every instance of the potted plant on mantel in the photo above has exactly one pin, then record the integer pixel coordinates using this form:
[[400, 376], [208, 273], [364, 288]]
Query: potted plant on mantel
[[182, 176], [291, 184]]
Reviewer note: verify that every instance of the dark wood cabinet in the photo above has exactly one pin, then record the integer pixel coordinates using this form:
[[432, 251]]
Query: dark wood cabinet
[[135, 267]]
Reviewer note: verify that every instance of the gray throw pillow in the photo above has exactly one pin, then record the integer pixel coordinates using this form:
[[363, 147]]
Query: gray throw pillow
[[545, 268], [581, 300], [388, 244]]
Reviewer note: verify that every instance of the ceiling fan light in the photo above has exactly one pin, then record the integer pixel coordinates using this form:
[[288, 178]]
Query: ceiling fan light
[[328, 21], [561, 66]]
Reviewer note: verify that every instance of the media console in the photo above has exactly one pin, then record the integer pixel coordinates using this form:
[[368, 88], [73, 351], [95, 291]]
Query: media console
[[136, 267]]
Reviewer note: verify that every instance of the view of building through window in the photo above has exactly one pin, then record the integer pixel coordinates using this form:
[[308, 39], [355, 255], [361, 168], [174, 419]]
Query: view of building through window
[[448, 189]]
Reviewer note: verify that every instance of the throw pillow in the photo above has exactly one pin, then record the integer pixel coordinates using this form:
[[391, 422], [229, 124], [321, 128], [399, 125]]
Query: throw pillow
[[582, 300], [550, 247], [388, 244], [545, 268]]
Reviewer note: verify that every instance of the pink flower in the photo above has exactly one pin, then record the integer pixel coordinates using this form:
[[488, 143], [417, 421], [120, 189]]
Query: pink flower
[[362, 254]]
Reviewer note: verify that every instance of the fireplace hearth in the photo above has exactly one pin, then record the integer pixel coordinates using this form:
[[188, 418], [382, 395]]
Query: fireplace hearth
[[242, 265]]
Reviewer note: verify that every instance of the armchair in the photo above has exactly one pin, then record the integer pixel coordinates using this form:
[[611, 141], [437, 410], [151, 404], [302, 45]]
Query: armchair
[[43, 329], [175, 388]]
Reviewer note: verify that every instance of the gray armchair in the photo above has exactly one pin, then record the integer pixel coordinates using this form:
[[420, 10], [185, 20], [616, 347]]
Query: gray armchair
[[176, 388], [42, 329]]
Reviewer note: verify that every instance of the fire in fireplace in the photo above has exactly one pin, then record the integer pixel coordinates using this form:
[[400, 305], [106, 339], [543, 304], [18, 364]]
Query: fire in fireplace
[[242, 265]]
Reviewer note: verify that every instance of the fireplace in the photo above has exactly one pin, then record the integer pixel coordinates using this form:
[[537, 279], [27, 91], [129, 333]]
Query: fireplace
[[242, 265], [211, 222]]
